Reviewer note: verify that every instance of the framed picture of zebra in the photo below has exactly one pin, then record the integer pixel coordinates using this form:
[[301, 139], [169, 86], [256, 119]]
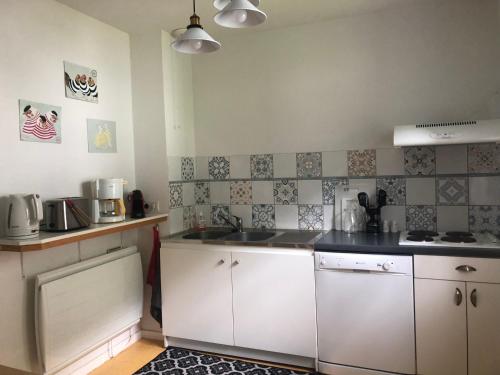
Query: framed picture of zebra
[[39, 122], [80, 82]]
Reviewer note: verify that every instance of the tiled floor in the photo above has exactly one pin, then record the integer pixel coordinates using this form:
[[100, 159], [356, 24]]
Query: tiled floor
[[131, 359]]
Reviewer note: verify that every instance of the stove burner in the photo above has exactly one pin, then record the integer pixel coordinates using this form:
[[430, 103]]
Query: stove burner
[[458, 239], [423, 233], [459, 234], [416, 238]]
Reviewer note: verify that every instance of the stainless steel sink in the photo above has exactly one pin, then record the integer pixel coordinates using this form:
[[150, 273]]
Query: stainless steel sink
[[208, 235], [249, 236]]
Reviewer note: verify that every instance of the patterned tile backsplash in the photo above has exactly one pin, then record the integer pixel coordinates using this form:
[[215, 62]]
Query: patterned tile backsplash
[[437, 188]]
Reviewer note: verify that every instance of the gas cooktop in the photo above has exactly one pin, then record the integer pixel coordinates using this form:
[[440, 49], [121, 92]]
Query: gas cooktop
[[449, 239]]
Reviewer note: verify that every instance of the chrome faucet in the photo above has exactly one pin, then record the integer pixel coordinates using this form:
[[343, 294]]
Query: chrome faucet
[[239, 222]]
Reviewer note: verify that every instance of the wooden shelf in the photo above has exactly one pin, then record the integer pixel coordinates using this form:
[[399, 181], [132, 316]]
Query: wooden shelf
[[47, 240]]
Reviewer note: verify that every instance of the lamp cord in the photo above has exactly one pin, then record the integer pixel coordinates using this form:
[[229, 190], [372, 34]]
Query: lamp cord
[[194, 6]]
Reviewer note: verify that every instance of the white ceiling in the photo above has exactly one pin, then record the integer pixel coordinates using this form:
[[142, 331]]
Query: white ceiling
[[135, 16]]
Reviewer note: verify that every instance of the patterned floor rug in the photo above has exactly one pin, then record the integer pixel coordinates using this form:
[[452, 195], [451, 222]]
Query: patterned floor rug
[[179, 361]]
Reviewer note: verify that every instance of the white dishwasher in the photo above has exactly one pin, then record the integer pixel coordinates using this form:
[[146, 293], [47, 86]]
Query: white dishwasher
[[365, 314]]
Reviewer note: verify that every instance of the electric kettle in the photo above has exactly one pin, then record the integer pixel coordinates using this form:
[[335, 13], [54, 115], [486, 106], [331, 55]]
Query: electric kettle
[[24, 213]]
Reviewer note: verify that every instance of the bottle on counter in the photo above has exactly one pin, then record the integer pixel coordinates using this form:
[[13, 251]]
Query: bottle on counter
[[202, 224]]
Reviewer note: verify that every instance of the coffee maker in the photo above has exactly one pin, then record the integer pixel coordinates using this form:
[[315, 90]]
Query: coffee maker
[[373, 225], [107, 200]]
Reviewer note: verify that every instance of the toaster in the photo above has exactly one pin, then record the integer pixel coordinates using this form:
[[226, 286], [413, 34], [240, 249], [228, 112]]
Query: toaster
[[65, 214]]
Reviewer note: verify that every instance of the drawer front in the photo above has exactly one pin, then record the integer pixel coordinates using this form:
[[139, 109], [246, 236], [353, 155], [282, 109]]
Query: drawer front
[[483, 270]]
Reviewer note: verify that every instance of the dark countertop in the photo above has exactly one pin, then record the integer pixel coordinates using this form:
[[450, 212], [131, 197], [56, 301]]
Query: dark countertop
[[387, 243]]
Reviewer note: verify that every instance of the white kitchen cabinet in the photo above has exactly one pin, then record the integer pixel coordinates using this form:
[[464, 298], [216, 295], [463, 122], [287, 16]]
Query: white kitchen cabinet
[[197, 295], [483, 314], [457, 310], [246, 297], [441, 327], [274, 303]]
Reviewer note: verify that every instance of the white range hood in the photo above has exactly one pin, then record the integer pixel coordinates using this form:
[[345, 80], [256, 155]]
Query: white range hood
[[446, 133]]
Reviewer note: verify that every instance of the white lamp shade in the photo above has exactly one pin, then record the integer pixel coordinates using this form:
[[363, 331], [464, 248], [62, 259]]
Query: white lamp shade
[[240, 13], [195, 40], [221, 4]]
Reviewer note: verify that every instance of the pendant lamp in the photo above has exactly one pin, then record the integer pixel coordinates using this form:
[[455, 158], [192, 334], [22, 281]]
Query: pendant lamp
[[239, 14], [221, 4], [195, 40]]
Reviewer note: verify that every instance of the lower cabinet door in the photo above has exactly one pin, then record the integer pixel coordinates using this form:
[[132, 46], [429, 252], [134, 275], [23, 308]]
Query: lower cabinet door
[[483, 314], [273, 302], [441, 327], [197, 295]]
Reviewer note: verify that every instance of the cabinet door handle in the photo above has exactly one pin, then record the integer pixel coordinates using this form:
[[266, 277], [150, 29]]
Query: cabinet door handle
[[465, 268], [236, 262], [473, 298], [458, 297], [221, 262]]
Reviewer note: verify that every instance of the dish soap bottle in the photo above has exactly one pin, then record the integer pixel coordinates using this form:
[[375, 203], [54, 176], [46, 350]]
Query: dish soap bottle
[[201, 222]]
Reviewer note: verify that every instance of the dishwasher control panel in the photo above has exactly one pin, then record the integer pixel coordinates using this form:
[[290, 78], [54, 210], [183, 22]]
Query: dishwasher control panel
[[396, 264]]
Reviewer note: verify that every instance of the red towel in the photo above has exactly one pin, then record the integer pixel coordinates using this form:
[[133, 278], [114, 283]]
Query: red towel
[[155, 257]]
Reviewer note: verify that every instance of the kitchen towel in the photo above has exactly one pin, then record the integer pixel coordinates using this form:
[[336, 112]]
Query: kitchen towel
[[154, 277]]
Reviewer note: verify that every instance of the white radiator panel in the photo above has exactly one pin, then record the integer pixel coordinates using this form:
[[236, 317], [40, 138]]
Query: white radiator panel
[[83, 305]]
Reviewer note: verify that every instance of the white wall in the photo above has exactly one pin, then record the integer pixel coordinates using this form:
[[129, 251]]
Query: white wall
[[178, 95], [150, 140], [345, 83], [36, 37]]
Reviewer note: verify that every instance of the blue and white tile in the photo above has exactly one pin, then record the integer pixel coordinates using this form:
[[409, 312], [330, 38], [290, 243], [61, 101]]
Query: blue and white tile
[[395, 187], [421, 217], [329, 187], [310, 192], [484, 219], [286, 192], [187, 168], [287, 217], [452, 218], [202, 193], [311, 217], [421, 191], [420, 160], [216, 212], [329, 217], [263, 216], [262, 192], [176, 220], [188, 217], [201, 168], [240, 166], [188, 194], [218, 168], [362, 163], [390, 162], [220, 192], [241, 192], [261, 166], [309, 164], [243, 211], [484, 191], [452, 191], [365, 185], [334, 163], [396, 214], [175, 195], [285, 165], [451, 159], [484, 158]]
